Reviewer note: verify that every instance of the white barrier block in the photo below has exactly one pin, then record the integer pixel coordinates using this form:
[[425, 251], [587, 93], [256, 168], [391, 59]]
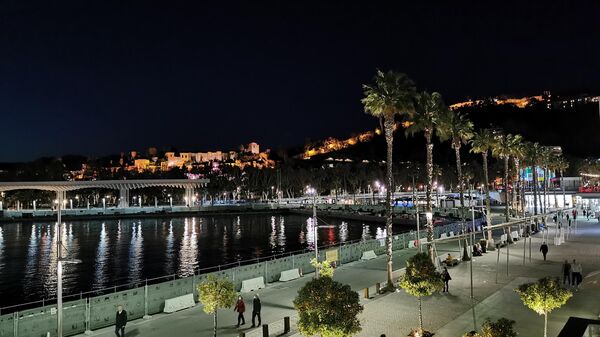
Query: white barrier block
[[443, 236], [288, 275], [368, 255], [252, 284], [503, 238], [179, 303], [451, 234], [515, 235]]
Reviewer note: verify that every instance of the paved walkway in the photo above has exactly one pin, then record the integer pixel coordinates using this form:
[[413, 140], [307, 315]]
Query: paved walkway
[[395, 314]]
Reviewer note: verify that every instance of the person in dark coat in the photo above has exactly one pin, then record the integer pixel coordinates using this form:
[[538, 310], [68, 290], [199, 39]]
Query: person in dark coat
[[120, 321], [240, 308], [544, 249], [446, 277], [256, 306]]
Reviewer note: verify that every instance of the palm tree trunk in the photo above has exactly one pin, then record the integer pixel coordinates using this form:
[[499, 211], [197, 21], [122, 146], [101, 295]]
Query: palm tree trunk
[[389, 139], [545, 188], [545, 324], [461, 196], [506, 209], [420, 314], [515, 193], [535, 186], [429, 168], [488, 218], [215, 323]]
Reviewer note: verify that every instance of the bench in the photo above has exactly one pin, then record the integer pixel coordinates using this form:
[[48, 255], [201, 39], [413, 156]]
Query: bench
[[179, 303], [288, 275], [368, 255], [252, 284]]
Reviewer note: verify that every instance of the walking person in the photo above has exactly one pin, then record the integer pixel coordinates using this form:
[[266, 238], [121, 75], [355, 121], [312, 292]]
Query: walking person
[[576, 274], [256, 306], [544, 249], [566, 268], [120, 321], [446, 277], [240, 308]]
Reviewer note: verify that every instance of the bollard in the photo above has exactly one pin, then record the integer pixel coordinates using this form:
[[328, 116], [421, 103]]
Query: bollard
[[286, 324], [366, 293], [265, 330], [378, 288]]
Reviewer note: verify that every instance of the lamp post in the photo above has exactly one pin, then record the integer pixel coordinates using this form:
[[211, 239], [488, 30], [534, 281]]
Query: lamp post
[[311, 191], [59, 270], [171, 201]]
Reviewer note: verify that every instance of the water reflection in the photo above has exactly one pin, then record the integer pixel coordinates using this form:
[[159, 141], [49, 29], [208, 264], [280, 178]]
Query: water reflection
[[124, 251], [136, 255], [343, 231], [169, 250], [100, 272], [188, 254]]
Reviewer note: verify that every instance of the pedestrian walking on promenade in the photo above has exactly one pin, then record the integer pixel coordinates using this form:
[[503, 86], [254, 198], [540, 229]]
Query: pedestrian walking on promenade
[[566, 268], [574, 214], [240, 308], [256, 306], [576, 274], [120, 321], [446, 277], [544, 249]]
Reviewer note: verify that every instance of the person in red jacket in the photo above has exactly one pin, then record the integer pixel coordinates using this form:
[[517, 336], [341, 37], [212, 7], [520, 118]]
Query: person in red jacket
[[240, 308]]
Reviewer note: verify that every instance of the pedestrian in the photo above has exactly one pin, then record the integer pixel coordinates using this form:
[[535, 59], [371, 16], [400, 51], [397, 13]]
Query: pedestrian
[[554, 218], [544, 249], [120, 321], [584, 212], [576, 274], [566, 268], [240, 308], [568, 217], [256, 306], [446, 277], [574, 214], [569, 223]]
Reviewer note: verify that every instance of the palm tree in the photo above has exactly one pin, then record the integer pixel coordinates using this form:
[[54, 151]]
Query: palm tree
[[503, 149], [482, 142], [456, 127], [517, 154], [546, 156], [459, 130], [562, 165], [532, 156], [429, 110], [390, 95]]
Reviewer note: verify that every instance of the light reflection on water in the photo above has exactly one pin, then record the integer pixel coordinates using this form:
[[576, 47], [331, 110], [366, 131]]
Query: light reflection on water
[[115, 252]]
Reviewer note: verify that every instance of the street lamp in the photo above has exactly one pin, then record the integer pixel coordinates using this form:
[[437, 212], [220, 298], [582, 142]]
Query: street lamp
[[59, 270], [311, 191]]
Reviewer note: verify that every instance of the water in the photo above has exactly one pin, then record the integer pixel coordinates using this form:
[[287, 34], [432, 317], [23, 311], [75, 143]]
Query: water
[[116, 252]]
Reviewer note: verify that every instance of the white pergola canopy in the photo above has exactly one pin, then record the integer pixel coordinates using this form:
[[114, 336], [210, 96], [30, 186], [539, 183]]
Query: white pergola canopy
[[63, 186]]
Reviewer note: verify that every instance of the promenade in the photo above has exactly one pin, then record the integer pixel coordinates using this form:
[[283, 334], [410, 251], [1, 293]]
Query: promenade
[[395, 314]]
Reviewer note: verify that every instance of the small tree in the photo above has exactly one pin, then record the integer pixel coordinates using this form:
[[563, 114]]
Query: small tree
[[544, 296], [421, 279], [216, 293], [325, 268], [501, 328], [327, 308]]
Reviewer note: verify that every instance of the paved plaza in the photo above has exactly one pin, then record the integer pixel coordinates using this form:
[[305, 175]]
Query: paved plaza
[[395, 314]]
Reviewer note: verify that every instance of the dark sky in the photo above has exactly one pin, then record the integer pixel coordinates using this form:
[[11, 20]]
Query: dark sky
[[103, 77]]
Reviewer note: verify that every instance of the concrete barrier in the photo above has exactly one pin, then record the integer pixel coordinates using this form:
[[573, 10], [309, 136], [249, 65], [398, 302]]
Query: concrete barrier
[[515, 235], [179, 303], [288, 275], [368, 255], [253, 284], [443, 236]]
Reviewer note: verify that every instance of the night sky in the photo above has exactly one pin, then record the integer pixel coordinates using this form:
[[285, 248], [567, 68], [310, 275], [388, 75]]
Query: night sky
[[97, 78]]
